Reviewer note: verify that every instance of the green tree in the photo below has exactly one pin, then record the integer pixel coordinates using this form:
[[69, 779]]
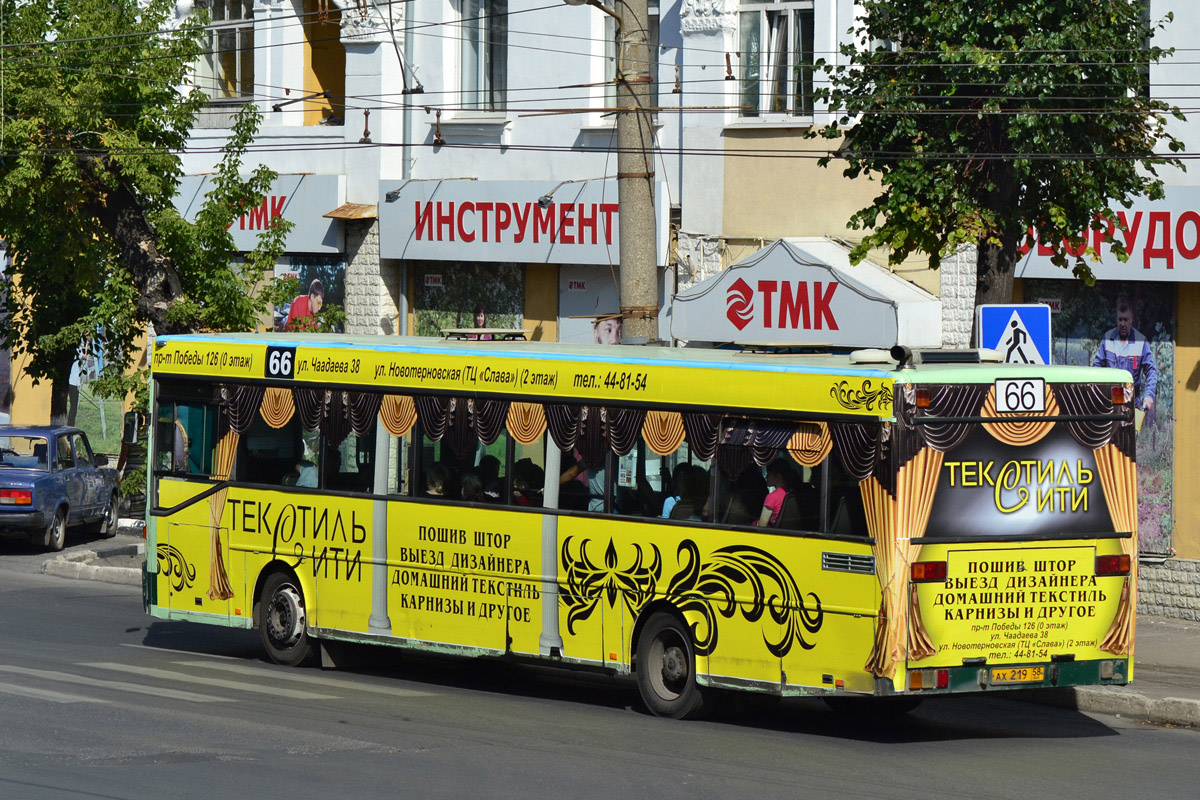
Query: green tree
[[983, 120], [96, 109]]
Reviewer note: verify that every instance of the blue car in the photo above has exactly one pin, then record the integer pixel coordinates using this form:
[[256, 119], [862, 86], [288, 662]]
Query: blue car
[[50, 481]]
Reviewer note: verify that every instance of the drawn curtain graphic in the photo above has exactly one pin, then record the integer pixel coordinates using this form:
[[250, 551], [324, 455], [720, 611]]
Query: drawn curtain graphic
[[663, 431], [1019, 434], [398, 413], [238, 407], [278, 407], [810, 445], [526, 422]]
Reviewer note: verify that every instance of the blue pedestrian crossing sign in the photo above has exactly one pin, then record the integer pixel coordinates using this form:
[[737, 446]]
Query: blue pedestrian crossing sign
[[1019, 333]]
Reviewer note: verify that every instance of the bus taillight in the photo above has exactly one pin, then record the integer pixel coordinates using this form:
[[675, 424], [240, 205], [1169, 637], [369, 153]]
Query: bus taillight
[[1122, 394], [929, 679], [1112, 565], [929, 572]]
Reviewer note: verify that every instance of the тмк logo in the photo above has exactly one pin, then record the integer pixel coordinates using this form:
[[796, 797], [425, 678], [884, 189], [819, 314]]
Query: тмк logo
[[739, 304]]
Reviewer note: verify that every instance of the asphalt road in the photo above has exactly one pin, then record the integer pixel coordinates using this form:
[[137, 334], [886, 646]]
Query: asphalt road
[[98, 700]]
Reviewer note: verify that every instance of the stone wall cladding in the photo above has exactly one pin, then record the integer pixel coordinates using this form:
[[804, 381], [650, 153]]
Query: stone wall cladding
[[1170, 589], [958, 297], [371, 289]]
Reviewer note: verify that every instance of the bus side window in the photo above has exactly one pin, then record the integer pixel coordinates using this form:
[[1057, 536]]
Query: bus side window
[[844, 504], [350, 465], [275, 456]]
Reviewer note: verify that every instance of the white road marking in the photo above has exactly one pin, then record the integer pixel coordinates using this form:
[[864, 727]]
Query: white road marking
[[240, 686], [299, 677], [45, 694], [122, 686]]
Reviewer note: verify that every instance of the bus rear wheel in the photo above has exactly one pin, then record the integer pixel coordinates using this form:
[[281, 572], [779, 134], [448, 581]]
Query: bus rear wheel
[[283, 623], [666, 670]]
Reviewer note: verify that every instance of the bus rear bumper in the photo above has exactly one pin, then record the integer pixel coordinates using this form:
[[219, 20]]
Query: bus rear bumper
[[977, 678]]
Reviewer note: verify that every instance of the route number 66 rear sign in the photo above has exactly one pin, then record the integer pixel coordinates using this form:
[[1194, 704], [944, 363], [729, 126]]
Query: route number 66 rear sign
[[1021, 396]]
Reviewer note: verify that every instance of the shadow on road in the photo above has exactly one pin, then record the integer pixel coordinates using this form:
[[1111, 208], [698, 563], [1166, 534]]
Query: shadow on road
[[964, 717]]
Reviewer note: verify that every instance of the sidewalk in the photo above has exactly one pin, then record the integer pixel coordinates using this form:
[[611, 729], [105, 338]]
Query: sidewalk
[[1166, 678]]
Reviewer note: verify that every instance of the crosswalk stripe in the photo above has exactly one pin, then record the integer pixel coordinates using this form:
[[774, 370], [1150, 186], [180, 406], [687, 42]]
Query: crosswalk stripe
[[122, 686], [46, 694], [241, 686], [299, 677]]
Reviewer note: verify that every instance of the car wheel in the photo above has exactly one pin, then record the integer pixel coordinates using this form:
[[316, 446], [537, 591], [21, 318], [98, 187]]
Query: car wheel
[[107, 527], [283, 622], [56, 534]]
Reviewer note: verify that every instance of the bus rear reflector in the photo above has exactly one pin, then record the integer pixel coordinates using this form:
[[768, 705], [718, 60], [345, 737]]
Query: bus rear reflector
[[1112, 565], [16, 497], [929, 572]]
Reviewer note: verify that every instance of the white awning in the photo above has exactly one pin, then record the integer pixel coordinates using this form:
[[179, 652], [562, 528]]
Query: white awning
[[806, 292]]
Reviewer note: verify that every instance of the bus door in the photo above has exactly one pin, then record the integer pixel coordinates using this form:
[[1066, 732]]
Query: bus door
[[186, 571]]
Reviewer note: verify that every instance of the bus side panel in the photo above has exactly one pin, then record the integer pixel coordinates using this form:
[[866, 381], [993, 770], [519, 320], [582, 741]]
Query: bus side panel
[[1008, 602], [189, 582], [763, 610], [464, 576]]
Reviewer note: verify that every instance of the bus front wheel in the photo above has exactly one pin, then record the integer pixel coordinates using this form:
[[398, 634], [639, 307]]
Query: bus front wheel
[[283, 622], [666, 669]]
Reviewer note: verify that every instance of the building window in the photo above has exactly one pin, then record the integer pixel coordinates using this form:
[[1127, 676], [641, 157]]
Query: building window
[[776, 54], [484, 64], [227, 66], [610, 57]]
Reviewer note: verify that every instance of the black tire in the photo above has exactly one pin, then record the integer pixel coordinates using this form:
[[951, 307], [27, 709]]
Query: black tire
[[876, 707], [107, 526], [282, 621], [55, 537], [666, 670]]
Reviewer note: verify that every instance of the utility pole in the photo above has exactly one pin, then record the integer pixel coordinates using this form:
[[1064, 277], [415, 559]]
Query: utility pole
[[635, 170], [635, 175]]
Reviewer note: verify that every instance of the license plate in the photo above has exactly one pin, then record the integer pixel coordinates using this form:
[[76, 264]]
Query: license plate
[[1018, 675]]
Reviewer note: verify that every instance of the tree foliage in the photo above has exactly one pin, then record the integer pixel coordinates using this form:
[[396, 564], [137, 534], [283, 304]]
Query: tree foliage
[[984, 120], [96, 111]]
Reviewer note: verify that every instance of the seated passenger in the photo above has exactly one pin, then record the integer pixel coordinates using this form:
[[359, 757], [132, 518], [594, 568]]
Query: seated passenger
[[435, 481], [779, 486], [677, 480], [472, 488], [528, 480], [306, 472]]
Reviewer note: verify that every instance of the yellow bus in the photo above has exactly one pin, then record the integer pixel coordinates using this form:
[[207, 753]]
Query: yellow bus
[[845, 526]]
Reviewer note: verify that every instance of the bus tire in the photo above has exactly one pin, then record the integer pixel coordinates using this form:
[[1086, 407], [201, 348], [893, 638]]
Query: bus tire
[[666, 669], [283, 622]]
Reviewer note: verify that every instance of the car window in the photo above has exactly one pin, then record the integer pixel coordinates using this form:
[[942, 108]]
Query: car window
[[64, 453], [83, 451]]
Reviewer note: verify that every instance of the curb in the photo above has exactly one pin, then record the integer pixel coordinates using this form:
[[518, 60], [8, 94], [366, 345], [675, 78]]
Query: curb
[[88, 565], [1121, 702]]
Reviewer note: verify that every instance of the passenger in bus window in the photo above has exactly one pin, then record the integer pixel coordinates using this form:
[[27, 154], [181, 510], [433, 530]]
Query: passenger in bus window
[[693, 498], [489, 476], [528, 480], [435, 481], [678, 477], [779, 486], [745, 496], [472, 487], [306, 474]]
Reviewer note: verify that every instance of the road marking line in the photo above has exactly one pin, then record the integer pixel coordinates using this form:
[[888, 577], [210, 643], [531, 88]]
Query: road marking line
[[168, 675], [319, 680], [122, 686], [192, 653], [45, 694]]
